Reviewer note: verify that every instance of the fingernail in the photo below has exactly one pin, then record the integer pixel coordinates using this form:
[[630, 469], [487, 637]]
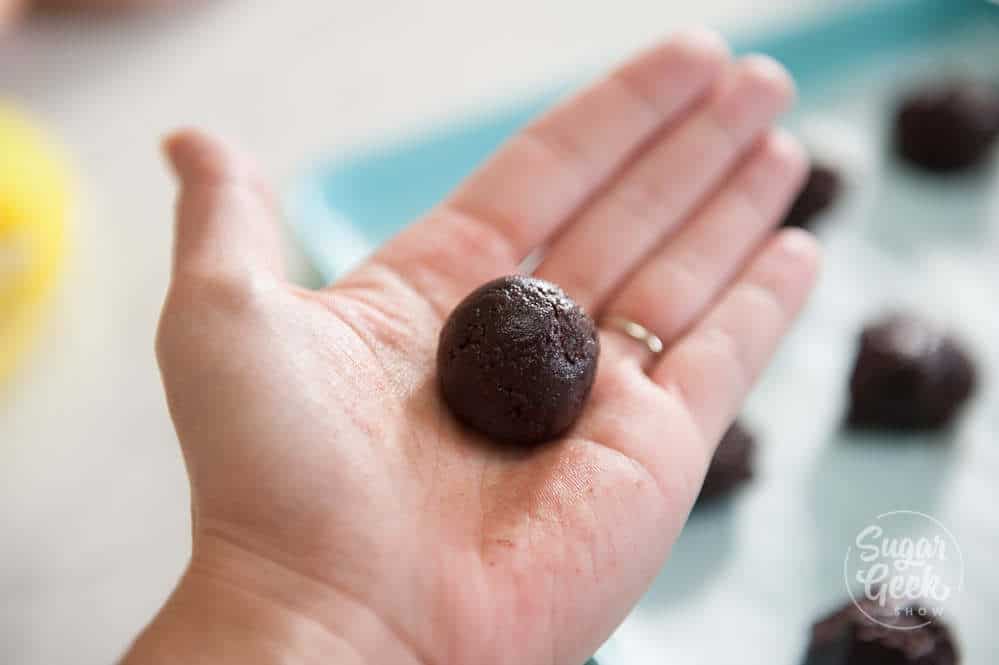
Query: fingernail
[[798, 243], [702, 41]]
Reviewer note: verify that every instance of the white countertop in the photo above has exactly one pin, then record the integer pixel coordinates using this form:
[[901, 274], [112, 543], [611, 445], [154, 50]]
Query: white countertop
[[93, 498]]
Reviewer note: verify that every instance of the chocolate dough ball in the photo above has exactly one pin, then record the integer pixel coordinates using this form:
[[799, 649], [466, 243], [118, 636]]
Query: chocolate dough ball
[[908, 375], [732, 464], [820, 191], [516, 360], [848, 637], [948, 125]]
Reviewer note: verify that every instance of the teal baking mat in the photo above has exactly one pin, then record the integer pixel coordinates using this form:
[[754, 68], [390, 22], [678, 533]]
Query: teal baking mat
[[748, 577], [343, 208]]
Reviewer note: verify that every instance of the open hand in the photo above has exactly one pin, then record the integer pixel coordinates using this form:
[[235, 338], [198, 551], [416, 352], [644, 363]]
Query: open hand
[[340, 512]]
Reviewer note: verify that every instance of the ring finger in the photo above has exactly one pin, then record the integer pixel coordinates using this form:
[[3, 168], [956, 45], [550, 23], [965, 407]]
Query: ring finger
[[683, 277]]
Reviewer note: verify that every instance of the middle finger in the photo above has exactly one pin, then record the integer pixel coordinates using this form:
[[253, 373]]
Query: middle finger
[[658, 192]]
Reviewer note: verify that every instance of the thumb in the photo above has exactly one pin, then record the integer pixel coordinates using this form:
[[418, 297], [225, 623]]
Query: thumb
[[226, 214]]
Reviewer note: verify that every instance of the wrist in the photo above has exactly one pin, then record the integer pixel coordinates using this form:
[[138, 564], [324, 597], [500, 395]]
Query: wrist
[[206, 621], [234, 606]]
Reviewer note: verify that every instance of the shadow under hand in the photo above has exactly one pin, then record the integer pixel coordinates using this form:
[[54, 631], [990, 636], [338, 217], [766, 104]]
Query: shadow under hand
[[705, 542]]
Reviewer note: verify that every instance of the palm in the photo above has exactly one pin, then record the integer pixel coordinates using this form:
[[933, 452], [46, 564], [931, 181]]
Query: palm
[[547, 537], [349, 468]]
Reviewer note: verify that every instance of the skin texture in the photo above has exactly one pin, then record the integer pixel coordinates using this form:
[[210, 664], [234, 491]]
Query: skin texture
[[341, 514]]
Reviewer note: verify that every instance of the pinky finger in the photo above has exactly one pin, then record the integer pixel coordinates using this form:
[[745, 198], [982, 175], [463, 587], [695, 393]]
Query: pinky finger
[[713, 367]]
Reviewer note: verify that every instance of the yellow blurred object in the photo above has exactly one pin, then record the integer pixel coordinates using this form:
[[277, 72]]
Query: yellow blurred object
[[34, 206]]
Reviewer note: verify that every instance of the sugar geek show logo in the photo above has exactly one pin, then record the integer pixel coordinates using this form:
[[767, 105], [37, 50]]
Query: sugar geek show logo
[[904, 561]]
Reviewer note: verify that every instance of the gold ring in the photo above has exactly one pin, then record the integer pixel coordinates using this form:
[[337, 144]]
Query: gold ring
[[637, 332]]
